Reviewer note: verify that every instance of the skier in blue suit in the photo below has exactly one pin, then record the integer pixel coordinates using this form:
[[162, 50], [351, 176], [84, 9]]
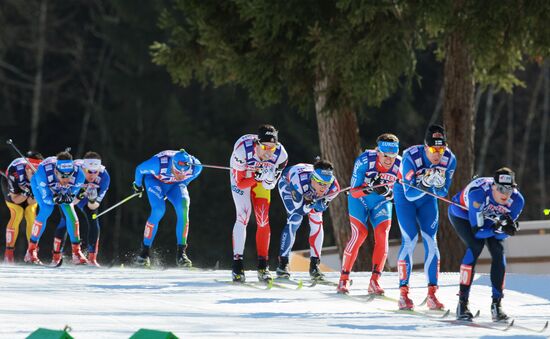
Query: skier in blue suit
[[166, 176], [93, 191], [493, 207], [429, 167], [57, 181]]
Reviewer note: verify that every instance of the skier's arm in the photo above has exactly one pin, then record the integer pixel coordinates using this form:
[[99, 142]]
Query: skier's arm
[[476, 203], [409, 178], [103, 186], [357, 179], [151, 166], [443, 191], [197, 170]]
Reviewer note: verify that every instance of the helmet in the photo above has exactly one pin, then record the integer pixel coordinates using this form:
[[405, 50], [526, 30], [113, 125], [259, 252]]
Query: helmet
[[181, 161]]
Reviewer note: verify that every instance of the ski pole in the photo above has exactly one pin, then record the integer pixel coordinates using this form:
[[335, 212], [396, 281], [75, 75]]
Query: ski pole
[[128, 198], [10, 142], [353, 190], [434, 195]]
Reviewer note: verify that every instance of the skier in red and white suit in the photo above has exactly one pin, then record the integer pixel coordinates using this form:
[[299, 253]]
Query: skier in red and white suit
[[257, 162]]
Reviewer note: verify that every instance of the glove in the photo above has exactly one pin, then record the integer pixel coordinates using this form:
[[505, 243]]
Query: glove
[[26, 191], [81, 194], [91, 194], [506, 224], [58, 198], [68, 198], [438, 179], [262, 174], [511, 228], [137, 189], [428, 178], [371, 182], [320, 205], [382, 190]]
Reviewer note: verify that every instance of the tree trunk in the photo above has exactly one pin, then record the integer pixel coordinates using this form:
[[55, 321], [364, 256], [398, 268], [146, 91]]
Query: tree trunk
[[528, 125], [543, 134], [37, 88], [459, 119], [510, 130], [339, 141]]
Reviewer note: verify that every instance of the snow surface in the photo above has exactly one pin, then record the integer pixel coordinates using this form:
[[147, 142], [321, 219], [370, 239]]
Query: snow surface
[[116, 302]]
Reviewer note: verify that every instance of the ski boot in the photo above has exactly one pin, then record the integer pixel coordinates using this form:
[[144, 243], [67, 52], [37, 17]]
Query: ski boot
[[404, 302], [343, 284], [314, 270], [56, 258], [78, 257], [497, 313], [238, 270], [8, 256], [263, 270], [431, 299], [92, 259], [374, 287], [143, 258], [181, 258], [462, 311], [282, 270], [32, 254]]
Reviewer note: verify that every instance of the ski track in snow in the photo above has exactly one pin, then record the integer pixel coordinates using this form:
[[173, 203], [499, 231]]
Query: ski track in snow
[[116, 302]]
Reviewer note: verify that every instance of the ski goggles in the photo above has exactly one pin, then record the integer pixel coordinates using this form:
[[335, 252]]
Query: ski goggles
[[265, 147], [389, 148], [502, 189], [323, 177], [64, 168], [437, 149]]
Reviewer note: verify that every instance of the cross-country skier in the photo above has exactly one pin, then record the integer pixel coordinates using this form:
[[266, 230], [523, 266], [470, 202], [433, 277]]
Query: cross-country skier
[[494, 205], [93, 191], [166, 176], [372, 180], [16, 187], [429, 167], [306, 190], [256, 164], [57, 181]]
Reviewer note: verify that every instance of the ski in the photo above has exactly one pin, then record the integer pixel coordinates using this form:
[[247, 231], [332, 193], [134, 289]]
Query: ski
[[282, 281], [488, 325], [531, 329], [56, 265], [257, 285], [362, 298], [323, 282]]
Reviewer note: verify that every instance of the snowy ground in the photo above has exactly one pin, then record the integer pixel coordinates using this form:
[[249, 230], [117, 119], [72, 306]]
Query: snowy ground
[[116, 302]]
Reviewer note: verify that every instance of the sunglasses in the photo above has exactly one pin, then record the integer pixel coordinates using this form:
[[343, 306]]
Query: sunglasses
[[389, 155], [437, 149], [267, 147], [64, 175], [91, 172], [320, 182], [504, 189]]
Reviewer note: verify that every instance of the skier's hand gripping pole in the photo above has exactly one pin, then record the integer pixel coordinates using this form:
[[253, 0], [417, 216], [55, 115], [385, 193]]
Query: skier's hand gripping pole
[[128, 198]]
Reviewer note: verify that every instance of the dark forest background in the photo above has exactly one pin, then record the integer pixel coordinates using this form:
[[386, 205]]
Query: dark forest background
[[79, 74]]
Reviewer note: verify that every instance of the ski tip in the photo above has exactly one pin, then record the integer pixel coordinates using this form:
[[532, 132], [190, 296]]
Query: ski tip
[[477, 314], [424, 302], [300, 284], [269, 284], [446, 314], [545, 327]]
